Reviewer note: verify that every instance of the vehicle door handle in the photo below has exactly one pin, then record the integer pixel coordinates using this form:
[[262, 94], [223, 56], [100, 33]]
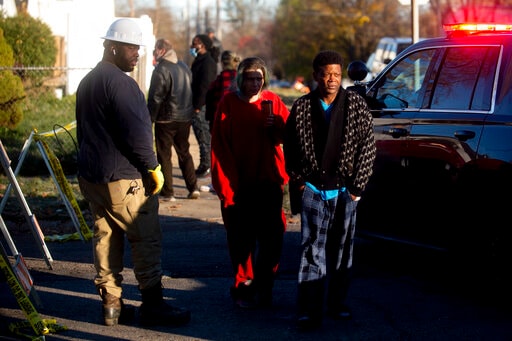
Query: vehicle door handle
[[464, 135], [397, 132]]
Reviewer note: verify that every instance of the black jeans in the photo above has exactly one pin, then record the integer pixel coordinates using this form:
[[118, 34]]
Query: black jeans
[[255, 245], [202, 132], [175, 134]]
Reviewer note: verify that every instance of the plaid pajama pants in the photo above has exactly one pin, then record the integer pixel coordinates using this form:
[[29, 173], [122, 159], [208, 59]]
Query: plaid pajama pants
[[327, 228]]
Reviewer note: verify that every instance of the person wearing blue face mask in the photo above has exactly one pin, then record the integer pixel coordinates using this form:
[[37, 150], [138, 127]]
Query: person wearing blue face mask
[[193, 52], [204, 71]]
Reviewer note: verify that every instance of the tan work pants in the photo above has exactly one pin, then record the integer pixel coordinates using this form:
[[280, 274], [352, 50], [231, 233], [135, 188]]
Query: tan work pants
[[118, 210]]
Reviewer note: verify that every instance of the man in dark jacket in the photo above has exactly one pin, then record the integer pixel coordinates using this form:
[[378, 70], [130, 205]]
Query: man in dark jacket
[[170, 106], [119, 175], [204, 71]]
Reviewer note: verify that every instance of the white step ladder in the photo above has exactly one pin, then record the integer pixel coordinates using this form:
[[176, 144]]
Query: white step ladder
[[31, 218]]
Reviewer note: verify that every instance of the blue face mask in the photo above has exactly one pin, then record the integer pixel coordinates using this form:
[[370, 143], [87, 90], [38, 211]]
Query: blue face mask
[[193, 52]]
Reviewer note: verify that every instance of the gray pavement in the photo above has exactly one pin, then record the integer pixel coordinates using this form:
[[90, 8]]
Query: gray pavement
[[389, 303]]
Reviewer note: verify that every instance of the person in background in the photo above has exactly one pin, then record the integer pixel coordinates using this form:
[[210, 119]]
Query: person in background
[[170, 107], [224, 83], [204, 71], [248, 175], [299, 85], [216, 49], [119, 175], [329, 150]]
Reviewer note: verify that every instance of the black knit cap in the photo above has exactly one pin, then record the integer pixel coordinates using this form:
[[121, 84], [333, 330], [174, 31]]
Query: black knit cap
[[207, 42], [326, 58]]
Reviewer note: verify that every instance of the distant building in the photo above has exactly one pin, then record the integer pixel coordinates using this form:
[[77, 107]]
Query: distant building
[[78, 26]]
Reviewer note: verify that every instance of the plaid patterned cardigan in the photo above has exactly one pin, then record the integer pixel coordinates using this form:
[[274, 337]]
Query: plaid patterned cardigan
[[334, 155]]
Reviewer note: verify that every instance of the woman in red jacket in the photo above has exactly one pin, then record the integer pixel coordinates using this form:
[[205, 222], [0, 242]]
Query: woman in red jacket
[[248, 175]]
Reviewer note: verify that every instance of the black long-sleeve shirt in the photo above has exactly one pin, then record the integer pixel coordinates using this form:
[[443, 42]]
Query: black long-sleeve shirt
[[114, 129]]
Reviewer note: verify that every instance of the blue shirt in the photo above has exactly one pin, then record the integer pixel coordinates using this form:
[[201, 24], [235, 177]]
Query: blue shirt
[[326, 195]]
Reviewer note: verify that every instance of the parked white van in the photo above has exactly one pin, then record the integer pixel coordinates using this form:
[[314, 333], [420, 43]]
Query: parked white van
[[387, 49]]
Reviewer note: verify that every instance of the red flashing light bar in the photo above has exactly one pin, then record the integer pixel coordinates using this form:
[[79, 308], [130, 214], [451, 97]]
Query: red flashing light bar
[[475, 27]]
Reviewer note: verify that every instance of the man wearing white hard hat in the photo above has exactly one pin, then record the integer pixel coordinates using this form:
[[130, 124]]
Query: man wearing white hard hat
[[120, 177]]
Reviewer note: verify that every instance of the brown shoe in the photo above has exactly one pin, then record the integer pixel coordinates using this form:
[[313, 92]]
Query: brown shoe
[[111, 309]]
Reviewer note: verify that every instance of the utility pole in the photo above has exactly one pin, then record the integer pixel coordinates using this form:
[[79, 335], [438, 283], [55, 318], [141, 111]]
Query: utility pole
[[156, 25], [198, 17], [218, 33], [415, 21], [132, 8], [189, 35]]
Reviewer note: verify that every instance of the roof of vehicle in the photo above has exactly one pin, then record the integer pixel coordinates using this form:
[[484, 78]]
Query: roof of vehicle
[[461, 34], [470, 21], [501, 37], [396, 39]]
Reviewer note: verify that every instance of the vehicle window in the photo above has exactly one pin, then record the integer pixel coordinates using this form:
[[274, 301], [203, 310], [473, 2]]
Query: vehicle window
[[401, 47], [388, 53], [465, 80], [379, 51], [401, 85]]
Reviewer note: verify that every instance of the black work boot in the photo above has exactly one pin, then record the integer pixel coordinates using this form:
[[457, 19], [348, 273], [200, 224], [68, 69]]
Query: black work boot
[[244, 295], [155, 311], [310, 304]]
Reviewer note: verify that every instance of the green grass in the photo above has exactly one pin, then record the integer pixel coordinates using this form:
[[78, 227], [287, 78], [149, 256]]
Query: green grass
[[43, 113], [288, 95], [45, 204]]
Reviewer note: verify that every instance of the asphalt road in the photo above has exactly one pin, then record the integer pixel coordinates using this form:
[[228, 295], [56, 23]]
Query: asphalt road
[[398, 293]]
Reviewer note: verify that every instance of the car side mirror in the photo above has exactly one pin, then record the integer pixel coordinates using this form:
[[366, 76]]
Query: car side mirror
[[357, 71]]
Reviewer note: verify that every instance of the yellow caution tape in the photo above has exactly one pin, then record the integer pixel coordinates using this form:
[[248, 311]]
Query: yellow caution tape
[[62, 129], [65, 187], [51, 324], [62, 237], [23, 300], [13, 328]]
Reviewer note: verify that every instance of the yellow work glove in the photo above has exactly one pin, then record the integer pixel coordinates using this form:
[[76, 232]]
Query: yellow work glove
[[156, 180]]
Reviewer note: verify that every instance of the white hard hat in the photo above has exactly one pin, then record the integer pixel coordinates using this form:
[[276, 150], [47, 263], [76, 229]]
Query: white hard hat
[[125, 31]]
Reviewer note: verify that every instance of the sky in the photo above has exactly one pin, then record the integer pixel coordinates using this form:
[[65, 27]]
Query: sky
[[408, 2], [270, 3], [182, 5]]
